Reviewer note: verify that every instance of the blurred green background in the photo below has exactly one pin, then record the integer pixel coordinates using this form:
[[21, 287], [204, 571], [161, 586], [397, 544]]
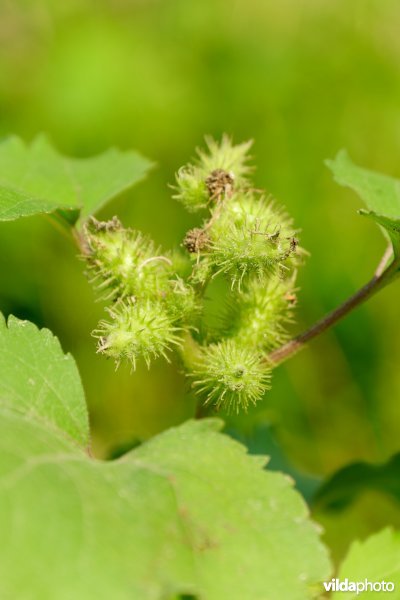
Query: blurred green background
[[303, 78]]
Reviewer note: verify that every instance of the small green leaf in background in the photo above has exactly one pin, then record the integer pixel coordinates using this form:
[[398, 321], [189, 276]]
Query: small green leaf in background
[[376, 559], [348, 483], [380, 193], [36, 179], [188, 512]]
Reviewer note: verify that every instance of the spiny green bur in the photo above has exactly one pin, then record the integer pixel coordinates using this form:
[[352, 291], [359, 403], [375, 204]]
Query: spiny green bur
[[157, 298]]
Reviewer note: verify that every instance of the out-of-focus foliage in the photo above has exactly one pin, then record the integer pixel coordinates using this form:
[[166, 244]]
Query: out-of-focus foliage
[[378, 556], [36, 179], [303, 78], [380, 193], [350, 482]]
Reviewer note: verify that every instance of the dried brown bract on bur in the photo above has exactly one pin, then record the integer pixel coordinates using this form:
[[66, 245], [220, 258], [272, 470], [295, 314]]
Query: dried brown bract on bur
[[195, 240], [220, 183]]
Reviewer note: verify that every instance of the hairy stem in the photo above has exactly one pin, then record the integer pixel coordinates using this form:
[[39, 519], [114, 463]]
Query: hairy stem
[[380, 279]]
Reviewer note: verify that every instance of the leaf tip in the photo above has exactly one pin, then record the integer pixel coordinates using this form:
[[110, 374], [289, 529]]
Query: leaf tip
[[342, 157]]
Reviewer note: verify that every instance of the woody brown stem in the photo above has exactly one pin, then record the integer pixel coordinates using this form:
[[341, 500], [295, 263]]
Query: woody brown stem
[[380, 279]]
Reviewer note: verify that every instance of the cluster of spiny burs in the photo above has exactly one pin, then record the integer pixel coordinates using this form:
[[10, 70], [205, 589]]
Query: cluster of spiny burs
[[156, 299]]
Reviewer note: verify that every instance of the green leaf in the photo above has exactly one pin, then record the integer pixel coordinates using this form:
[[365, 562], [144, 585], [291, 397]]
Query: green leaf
[[348, 483], [380, 193], [261, 439], [188, 512], [376, 559], [38, 380], [36, 179]]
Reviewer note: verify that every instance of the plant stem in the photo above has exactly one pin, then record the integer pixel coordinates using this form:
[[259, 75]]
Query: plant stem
[[380, 279], [61, 225], [384, 260]]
